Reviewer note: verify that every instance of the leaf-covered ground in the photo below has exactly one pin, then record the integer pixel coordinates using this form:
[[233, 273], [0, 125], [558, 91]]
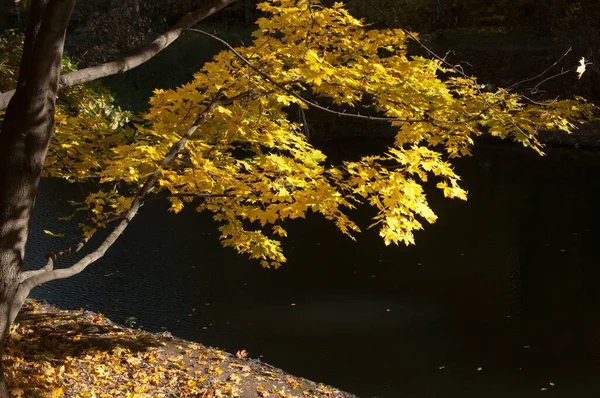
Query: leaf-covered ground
[[58, 353]]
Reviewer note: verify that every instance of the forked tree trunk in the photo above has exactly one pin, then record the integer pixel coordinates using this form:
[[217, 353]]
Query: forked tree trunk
[[24, 139]]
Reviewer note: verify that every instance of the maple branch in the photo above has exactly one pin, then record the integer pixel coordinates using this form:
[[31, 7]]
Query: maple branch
[[486, 106], [23, 276], [31, 279], [138, 58], [293, 94], [457, 68], [52, 256], [51, 259]]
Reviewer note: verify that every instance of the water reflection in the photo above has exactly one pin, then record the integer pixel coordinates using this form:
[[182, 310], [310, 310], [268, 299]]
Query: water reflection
[[504, 283]]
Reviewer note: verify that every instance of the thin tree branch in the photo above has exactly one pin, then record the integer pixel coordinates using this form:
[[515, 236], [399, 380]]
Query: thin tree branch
[[534, 90], [188, 195], [541, 74], [56, 254], [141, 56]]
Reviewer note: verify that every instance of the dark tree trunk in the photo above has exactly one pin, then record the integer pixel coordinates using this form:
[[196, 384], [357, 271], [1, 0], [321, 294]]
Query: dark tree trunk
[[25, 136], [24, 139]]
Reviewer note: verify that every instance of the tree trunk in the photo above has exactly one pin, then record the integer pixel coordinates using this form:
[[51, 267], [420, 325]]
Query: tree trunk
[[24, 139]]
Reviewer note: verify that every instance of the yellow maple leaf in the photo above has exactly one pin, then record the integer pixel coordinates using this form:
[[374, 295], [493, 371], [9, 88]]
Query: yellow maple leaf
[[53, 234], [581, 67]]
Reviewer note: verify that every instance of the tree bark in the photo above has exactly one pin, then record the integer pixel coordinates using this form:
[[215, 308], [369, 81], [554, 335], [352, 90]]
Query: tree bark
[[24, 140]]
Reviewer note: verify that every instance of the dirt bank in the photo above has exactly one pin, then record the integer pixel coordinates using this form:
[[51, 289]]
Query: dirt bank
[[57, 353]]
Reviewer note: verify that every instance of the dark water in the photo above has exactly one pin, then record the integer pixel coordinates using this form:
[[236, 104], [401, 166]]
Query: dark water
[[506, 282]]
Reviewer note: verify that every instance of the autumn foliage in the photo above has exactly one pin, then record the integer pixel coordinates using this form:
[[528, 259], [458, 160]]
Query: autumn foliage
[[246, 159], [229, 142]]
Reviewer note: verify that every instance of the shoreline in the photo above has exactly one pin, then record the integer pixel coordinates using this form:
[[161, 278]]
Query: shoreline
[[65, 353]]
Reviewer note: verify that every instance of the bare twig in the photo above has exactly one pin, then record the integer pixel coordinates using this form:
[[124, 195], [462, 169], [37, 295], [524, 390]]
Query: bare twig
[[564, 72], [541, 74]]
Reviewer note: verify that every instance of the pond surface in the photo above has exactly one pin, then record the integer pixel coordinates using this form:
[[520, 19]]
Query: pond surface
[[499, 298]]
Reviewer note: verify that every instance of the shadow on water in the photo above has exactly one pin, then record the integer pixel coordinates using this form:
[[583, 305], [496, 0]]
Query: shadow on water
[[498, 298]]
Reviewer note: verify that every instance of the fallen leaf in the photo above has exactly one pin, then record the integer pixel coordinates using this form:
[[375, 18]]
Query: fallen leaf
[[61, 235]]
